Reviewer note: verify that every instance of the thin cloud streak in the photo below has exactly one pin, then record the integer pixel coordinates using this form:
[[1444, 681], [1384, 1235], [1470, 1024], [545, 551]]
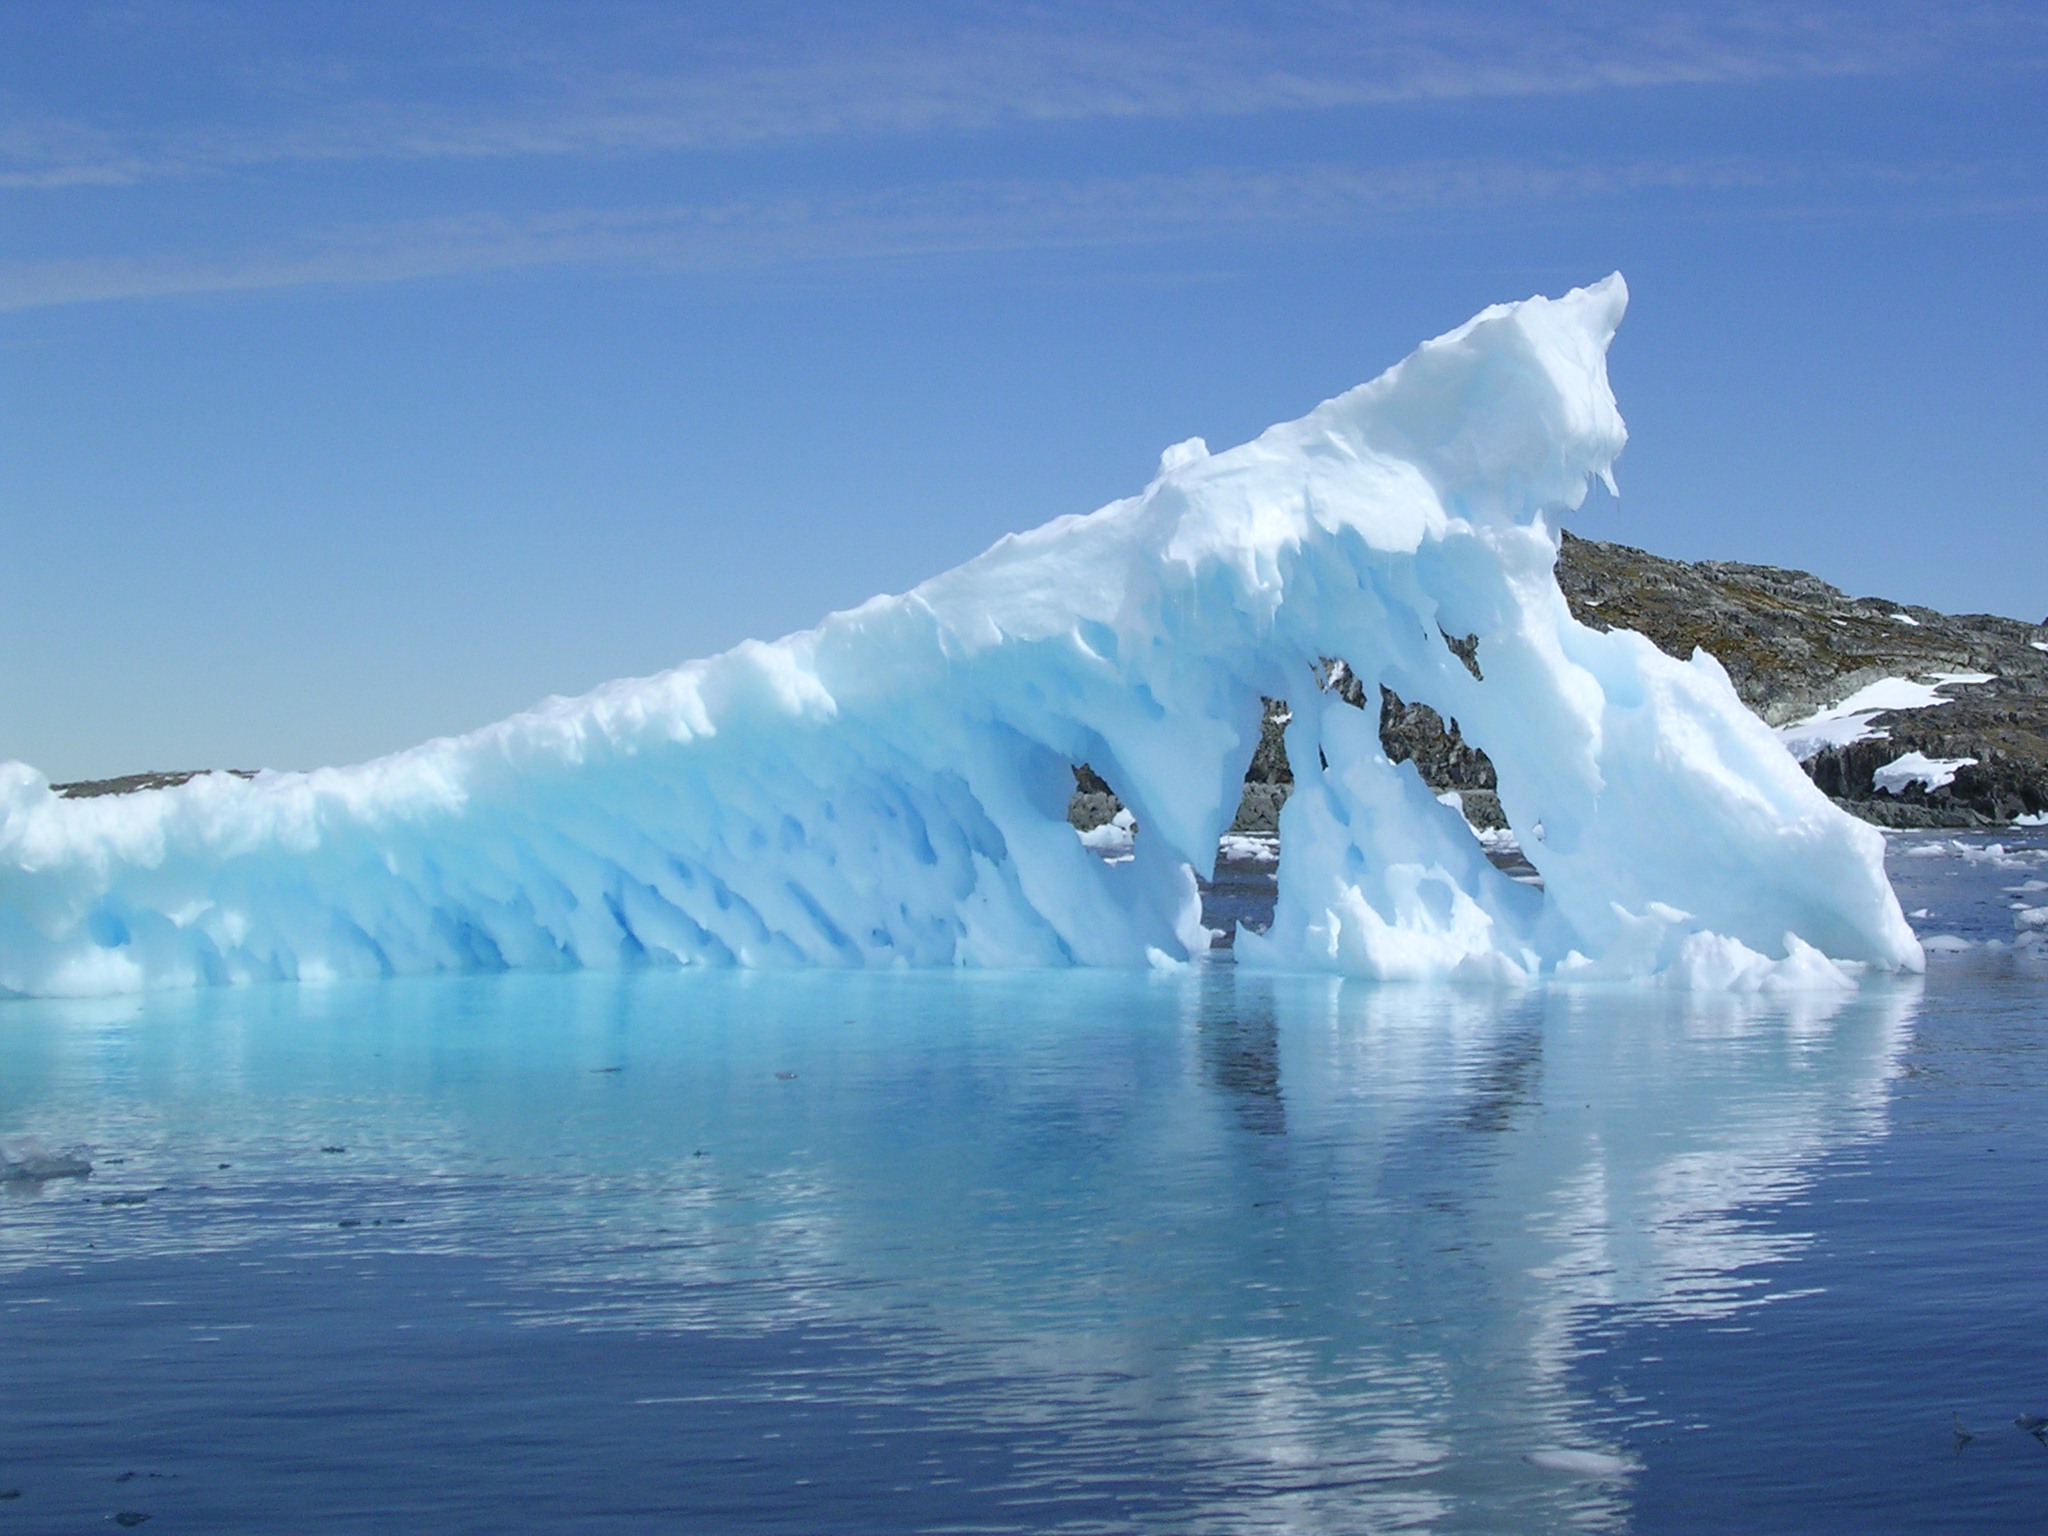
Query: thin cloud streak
[[951, 219], [1129, 64]]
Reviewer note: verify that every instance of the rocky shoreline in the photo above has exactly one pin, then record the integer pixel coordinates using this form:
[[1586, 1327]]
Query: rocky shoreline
[[1792, 645]]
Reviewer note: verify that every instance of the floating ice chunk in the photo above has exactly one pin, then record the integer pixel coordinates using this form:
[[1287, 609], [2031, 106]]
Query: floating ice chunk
[[1946, 944], [2031, 917], [27, 1158], [890, 787], [1115, 838], [1712, 962], [1918, 768], [1249, 848]]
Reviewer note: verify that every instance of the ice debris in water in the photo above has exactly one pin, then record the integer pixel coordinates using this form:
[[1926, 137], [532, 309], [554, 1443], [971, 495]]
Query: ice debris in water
[[889, 788], [1581, 1463], [28, 1158]]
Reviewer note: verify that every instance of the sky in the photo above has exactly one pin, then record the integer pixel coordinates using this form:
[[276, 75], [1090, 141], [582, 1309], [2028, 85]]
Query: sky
[[369, 372]]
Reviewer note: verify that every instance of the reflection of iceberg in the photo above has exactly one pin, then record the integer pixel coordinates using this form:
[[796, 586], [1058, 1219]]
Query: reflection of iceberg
[[1307, 1255], [1354, 1256], [889, 787]]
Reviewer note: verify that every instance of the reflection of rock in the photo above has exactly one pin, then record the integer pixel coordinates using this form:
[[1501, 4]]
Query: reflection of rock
[[29, 1160]]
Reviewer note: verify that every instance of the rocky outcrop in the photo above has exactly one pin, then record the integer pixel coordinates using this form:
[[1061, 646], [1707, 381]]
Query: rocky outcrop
[[1792, 645], [129, 783]]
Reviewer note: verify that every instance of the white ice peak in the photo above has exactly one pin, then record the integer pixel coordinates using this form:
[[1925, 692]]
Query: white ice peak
[[889, 787]]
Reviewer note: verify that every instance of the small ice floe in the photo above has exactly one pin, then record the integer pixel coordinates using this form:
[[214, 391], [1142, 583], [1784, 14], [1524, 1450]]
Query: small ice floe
[[1946, 944], [28, 1159], [1115, 840], [1994, 854], [1249, 848], [1901, 773], [1581, 1463], [2030, 918]]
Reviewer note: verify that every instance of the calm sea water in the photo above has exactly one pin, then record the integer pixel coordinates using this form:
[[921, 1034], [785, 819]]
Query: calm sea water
[[1082, 1252]]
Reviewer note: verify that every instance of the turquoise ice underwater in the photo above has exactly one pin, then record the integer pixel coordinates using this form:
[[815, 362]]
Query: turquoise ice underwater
[[732, 1251]]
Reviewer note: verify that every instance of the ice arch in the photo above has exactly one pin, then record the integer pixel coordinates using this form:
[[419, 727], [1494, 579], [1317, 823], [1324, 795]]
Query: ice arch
[[888, 788]]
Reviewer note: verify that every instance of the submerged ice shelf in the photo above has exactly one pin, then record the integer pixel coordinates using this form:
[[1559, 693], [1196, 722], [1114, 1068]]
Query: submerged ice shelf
[[890, 787]]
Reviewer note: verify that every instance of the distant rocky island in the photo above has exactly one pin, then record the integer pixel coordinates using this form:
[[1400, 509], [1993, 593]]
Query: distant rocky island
[[1793, 646]]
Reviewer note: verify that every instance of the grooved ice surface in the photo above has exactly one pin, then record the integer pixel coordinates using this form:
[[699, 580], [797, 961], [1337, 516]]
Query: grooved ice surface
[[890, 787]]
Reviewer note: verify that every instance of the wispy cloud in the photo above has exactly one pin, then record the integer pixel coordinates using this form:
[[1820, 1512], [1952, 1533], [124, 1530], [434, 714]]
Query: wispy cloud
[[636, 81], [952, 218]]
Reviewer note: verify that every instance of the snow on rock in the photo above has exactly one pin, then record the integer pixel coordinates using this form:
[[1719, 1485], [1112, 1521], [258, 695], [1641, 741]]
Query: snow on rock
[[1918, 768], [1848, 722], [889, 788]]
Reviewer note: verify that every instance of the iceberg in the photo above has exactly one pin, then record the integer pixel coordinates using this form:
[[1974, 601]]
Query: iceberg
[[889, 788]]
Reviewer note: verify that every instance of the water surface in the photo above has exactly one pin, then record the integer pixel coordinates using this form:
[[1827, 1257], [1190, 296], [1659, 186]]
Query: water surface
[[1089, 1252]]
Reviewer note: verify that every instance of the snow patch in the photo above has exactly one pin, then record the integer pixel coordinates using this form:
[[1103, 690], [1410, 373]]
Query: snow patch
[[1918, 768], [1848, 722]]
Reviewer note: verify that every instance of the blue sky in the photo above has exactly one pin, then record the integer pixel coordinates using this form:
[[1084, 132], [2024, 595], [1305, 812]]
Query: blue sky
[[369, 371]]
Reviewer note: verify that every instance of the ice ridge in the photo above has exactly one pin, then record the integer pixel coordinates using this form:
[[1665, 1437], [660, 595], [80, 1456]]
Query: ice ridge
[[889, 788]]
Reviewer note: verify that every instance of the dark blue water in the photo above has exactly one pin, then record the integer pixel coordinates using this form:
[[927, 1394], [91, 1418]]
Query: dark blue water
[[1209, 1252]]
